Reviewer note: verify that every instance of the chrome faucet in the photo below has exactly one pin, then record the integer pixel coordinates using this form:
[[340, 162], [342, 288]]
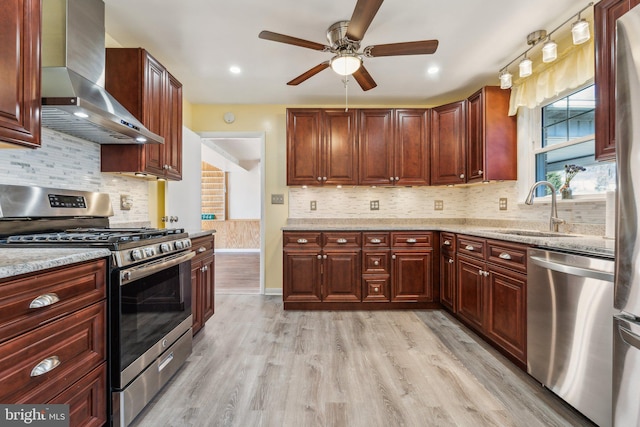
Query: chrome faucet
[[554, 221]]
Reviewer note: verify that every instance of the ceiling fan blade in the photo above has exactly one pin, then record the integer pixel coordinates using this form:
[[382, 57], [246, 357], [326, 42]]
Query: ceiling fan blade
[[308, 74], [424, 47], [363, 14], [268, 35], [364, 79]]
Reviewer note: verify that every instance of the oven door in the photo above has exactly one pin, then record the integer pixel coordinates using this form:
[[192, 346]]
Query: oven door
[[150, 310]]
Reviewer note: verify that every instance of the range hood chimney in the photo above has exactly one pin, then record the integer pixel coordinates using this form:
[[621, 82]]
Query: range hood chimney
[[74, 100]]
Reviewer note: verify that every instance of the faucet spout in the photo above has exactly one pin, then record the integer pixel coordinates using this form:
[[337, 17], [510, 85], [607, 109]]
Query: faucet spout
[[554, 221]]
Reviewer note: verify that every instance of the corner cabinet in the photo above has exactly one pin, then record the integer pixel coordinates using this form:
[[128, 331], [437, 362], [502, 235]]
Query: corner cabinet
[[145, 88], [322, 147], [492, 153], [202, 281], [448, 151], [20, 102], [605, 14]]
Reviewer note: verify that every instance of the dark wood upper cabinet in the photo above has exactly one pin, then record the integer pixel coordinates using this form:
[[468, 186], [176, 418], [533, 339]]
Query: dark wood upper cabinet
[[492, 152], [605, 14], [145, 88], [375, 139], [303, 146], [448, 160], [20, 102], [339, 149], [411, 147]]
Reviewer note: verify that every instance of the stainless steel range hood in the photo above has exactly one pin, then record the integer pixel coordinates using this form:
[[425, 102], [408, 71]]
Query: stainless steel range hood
[[74, 100]]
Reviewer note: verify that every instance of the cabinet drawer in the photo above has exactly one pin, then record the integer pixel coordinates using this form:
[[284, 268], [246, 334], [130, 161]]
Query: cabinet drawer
[[302, 240], [512, 256], [475, 247], [411, 240], [342, 240], [376, 261], [448, 241], [51, 294], [375, 240], [202, 245], [376, 288], [71, 347]]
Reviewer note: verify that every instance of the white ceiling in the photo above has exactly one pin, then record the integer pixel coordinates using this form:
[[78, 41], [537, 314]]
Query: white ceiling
[[198, 40]]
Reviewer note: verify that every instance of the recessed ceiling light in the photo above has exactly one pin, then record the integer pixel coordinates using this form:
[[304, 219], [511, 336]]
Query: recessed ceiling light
[[433, 70], [235, 69]]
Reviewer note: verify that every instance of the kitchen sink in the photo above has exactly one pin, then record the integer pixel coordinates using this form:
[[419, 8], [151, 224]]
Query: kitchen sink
[[530, 233]]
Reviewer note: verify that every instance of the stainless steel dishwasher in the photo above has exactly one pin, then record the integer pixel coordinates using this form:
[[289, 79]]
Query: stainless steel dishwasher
[[569, 329]]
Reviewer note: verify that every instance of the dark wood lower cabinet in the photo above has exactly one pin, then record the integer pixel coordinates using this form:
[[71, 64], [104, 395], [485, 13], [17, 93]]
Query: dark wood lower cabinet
[[412, 276], [341, 276], [302, 276], [202, 281], [471, 303]]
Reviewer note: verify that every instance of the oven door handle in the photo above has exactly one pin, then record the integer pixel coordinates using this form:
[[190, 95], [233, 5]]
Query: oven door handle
[[135, 273]]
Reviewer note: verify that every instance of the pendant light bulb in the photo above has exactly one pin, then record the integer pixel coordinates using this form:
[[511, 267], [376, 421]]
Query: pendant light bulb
[[505, 80], [580, 31], [549, 51], [526, 67]]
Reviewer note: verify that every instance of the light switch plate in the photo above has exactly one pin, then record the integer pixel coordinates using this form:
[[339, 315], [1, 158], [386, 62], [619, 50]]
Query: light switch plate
[[374, 205], [313, 205], [277, 199], [438, 205], [502, 203]]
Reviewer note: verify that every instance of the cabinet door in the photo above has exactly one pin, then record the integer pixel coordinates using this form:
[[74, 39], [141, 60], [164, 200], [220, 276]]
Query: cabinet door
[[605, 14], [303, 147], [475, 137], [448, 281], [339, 160], [469, 289], [506, 311], [196, 297], [412, 276], [208, 290], [173, 134], [448, 160], [153, 113], [375, 140], [20, 72], [411, 147], [301, 276], [341, 276]]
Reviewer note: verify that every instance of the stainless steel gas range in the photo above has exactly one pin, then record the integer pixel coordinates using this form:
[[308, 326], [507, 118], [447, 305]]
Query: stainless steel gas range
[[149, 298]]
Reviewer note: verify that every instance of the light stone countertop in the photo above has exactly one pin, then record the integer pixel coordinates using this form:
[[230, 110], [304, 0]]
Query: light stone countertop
[[576, 243], [194, 234], [14, 262]]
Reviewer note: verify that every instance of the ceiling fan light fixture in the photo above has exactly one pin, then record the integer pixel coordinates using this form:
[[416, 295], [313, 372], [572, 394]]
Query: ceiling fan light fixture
[[346, 64]]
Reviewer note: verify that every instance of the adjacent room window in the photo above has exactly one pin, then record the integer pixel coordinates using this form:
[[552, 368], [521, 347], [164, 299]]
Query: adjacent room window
[[568, 138]]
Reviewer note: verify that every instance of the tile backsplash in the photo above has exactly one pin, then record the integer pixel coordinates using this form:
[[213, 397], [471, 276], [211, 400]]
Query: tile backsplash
[[68, 162]]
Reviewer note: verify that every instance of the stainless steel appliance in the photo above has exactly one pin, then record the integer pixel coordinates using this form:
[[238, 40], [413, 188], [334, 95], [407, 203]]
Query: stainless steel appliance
[[569, 334], [149, 294], [626, 325]]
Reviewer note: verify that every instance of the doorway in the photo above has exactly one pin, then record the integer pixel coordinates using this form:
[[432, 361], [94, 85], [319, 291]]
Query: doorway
[[236, 162]]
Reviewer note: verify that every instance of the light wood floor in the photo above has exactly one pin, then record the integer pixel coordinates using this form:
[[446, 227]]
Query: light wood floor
[[256, 365], [237, 273]]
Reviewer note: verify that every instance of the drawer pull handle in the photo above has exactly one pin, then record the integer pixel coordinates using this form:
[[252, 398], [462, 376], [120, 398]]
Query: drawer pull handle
[[504, 255], [44, 300], [469, 248], [411, 240], [302, 241], [48, 364], [376, 241], [201, 249], [447, 243], [450, 260], [341, 241], [376, 262], [165, 362]]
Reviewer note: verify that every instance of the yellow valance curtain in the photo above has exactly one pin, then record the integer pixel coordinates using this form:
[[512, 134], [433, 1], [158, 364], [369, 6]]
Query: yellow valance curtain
[[571, 70]]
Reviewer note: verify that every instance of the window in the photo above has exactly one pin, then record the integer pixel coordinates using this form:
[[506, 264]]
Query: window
[[568, 138]]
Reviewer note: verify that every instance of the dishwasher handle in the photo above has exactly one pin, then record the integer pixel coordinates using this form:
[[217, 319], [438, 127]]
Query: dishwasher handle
[[570, 269]]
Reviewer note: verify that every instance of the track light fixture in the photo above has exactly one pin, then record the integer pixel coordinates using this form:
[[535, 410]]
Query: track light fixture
[[580, 34]]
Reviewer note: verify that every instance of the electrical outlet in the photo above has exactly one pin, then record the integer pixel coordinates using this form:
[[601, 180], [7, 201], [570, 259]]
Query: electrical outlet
[[502, 203], [438, 205], [313, 205], [125, 202], [374, 205], [277, 199]]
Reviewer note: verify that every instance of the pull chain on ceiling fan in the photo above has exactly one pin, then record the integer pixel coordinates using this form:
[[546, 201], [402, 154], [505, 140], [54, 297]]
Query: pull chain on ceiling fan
[[344, 39]]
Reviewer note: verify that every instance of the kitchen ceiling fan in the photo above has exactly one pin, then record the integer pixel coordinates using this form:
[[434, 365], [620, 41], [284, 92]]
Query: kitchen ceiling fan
[[344, 42]]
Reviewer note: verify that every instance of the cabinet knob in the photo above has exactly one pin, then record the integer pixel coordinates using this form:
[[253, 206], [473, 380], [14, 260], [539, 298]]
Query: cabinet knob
[[376, 262], [469, 248], [450, 261], [376, 241], [205, 268], [391, 178], [44, 300], [461, 176], [486, 274], [302, 241], [480, 272], [319, 257], [319, 178], [480, 172], [324, 257], [376, 290], [393, 257], [504, 255], [47, 365], [446, 243], [324, 178], [411, 240], [341, 241], [201, 249]]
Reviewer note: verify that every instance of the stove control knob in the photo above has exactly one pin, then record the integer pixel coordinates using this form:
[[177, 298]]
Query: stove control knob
[[149, 252], [187, 243], [179, 244], [165, 247], [136, 255]]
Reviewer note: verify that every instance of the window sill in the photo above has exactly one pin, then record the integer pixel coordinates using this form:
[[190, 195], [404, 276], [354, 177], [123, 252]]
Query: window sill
[[590, 198]]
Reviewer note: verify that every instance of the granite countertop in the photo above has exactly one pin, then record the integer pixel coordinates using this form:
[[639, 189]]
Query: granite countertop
[[14, 262], [194, 234], [586, 244]]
